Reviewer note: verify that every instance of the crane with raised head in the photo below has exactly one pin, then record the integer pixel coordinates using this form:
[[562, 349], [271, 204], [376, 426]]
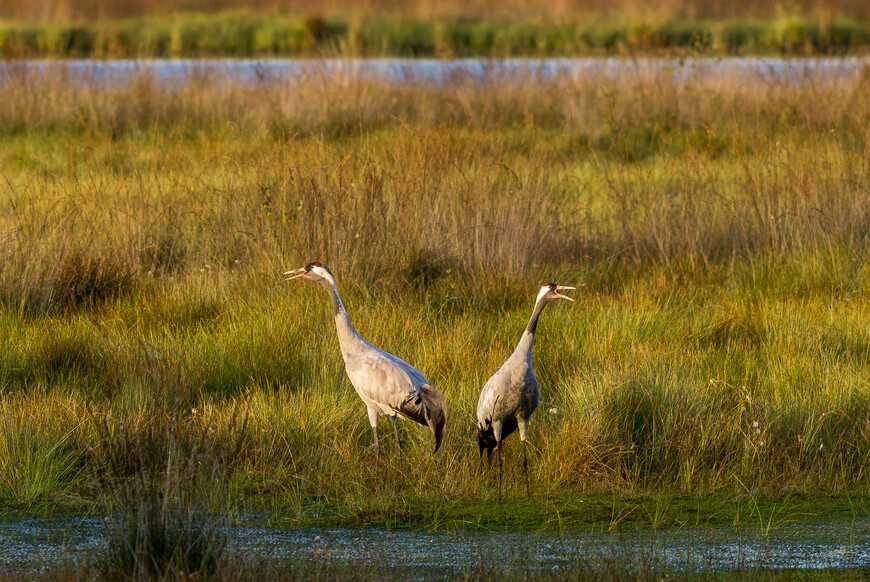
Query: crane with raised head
[[386, 384], [511, 395]]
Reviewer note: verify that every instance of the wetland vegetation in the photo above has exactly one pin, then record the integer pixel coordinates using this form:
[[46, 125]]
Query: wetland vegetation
[[244, 34], [713, 371], [718, 235], [234, 28]]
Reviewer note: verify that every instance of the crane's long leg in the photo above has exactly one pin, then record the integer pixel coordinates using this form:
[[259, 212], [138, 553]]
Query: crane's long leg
[[398, 443], [373, 420], [526, 469], [524, 431], [377, 445], [498, 462]]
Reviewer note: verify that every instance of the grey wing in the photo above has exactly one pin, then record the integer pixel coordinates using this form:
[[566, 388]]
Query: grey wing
[[381, 381], [492, 392], [416, 375]]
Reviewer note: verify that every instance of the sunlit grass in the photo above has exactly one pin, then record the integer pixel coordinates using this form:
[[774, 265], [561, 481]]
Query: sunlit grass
[[717, 236]]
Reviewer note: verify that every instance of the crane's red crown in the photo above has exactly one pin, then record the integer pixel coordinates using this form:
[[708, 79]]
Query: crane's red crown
[[313, 264]]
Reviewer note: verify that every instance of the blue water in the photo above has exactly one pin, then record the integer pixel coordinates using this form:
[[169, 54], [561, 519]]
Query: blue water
[[33, 544], [447, 72]]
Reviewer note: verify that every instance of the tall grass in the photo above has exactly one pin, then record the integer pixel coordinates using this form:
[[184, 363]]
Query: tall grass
[[169, 493], [717, 231]]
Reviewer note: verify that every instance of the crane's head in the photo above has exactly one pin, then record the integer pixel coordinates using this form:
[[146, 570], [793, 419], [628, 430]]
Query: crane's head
[[313, 271], [551, 292]]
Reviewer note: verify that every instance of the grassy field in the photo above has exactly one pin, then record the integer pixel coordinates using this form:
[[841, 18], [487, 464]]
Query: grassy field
[[716, 362]]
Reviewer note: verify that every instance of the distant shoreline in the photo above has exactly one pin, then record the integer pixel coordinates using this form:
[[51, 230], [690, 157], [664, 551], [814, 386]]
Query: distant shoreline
[[242, 34]]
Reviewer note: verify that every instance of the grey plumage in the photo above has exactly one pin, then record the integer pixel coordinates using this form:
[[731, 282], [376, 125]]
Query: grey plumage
[[511, 395], [386, 384]]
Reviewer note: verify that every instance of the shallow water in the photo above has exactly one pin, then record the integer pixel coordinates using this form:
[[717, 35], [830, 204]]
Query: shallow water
[[447, 72], [33, 544]]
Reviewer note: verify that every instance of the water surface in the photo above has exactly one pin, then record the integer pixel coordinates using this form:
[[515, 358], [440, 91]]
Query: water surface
[[32, 544], [445, 72]]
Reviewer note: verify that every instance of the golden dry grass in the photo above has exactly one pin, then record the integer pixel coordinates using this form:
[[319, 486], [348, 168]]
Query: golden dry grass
[[718, 346]]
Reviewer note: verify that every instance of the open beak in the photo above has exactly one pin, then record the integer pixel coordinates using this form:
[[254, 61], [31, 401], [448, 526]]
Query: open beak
[[560, 288], [294, 274]]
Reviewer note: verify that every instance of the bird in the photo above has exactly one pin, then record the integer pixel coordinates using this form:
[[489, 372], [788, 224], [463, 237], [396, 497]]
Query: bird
[[385, 383], [511, 395]]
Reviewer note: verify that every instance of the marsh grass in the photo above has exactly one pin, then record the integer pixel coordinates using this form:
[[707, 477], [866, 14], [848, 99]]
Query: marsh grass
[[717, 234], [168, 494]]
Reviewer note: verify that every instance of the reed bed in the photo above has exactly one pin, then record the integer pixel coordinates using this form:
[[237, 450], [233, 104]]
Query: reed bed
[[242, 33], [717, 234]]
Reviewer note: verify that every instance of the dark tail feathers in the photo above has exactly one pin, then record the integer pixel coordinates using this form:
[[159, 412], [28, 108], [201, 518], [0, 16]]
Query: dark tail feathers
[[486, 435], [486, 440], [433, 402], [428, 411]]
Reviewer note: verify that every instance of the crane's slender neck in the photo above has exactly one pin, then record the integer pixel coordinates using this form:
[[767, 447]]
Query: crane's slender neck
[[527, 341], [337, 305], [348, 338]]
